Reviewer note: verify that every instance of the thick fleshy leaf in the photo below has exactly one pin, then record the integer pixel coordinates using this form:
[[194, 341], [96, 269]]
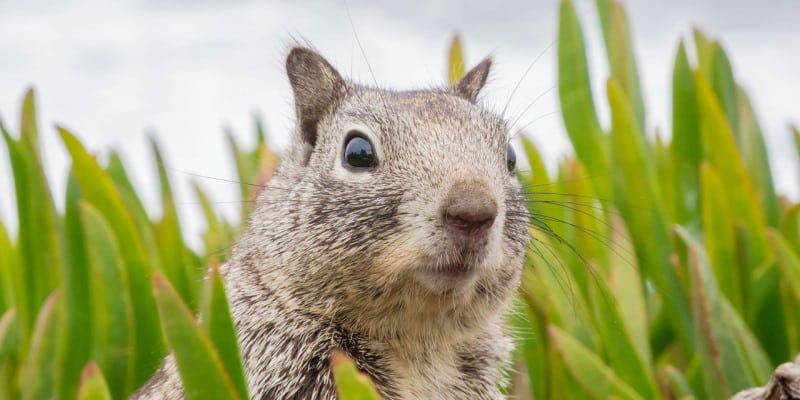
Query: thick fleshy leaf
[[665, 171], [585, 218], [624, 281], [721, 151], [640, 204], [201, 369], [790, 226], [220, 234], [111, 306], [550, 288], [755, 359], [705, 53], [788, 261], [98, 189], [93, 386], [725, 367], [175, 264], [575, 94], [622, 354], [619, 50], [9, 355], [9, 271], [455, 65], [116, 171], [350, 383], [23, 280], [686, 147], [217, 323], [763, 296], [77, 335], [133, 204], [39, 249], [254, 168], [594, 376], [719, 233], [534, 176], [531, 348], [724, 86], [38, 372], [576, 244], [677, 382], [756, 158]]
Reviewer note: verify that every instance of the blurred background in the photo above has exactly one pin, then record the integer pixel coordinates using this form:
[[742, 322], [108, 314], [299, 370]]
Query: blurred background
[[186, 71]]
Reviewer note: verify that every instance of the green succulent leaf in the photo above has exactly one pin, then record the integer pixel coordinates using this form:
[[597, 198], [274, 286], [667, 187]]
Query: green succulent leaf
[[350, 383], [642, 209], [98, 189], [38, 374], [112, 306], [595, 377], [93, 386], [575, 95], [9, 354], [217, 323], [686, 148], [201, 368], [456, 66]]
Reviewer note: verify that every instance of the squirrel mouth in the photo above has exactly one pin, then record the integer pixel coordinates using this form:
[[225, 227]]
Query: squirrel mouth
[[448, 278]]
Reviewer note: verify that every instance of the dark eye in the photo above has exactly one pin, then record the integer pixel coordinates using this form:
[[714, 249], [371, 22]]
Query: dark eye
[[511, 159], [358, 152]]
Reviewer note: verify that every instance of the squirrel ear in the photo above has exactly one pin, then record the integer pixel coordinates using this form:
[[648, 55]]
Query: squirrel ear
[[471, 84], [317, 87]]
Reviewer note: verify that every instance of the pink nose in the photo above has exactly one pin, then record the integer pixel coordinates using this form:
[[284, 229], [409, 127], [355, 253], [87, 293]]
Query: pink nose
[[468, 212]]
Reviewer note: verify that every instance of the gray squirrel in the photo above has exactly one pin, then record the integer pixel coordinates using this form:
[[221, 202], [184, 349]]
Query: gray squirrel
[[393, 231]]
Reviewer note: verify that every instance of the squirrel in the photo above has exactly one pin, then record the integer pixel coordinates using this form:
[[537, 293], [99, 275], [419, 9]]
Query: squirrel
[[394, 231]]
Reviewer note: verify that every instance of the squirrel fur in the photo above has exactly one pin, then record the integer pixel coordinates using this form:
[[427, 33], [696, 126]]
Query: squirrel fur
[[408, 267]]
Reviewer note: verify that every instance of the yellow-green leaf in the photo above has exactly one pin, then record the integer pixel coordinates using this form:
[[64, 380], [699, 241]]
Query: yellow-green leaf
[[199, 364], [726, 369], [594, 376], [112, 307], [640, 204], [624, 281], [38, 372], [218, 324], [756, 158], [350, 383], [719, 233], [39, 247], [98, 189], [456, 66], [622, 354], [788, 261], [175, 264], [93, 386], [575, 94], [720, 149], [619, 50], [77, 333], [686, 147], [9, 355]]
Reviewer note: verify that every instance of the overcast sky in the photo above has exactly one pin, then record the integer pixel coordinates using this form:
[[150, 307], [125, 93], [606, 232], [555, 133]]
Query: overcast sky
[[186, 69]]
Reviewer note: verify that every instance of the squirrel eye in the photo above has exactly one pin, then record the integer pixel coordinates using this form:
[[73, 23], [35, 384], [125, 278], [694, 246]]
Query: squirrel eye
[[511, 159], [358, 152]]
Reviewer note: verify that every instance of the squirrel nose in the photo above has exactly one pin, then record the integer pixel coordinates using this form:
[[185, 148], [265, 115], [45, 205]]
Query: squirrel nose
[[468, 212]]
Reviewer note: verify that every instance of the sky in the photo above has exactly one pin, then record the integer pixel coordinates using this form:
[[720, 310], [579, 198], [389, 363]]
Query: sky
[[184, 72]]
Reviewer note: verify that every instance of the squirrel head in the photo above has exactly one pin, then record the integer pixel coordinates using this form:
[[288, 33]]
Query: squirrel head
[[393, 211]]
